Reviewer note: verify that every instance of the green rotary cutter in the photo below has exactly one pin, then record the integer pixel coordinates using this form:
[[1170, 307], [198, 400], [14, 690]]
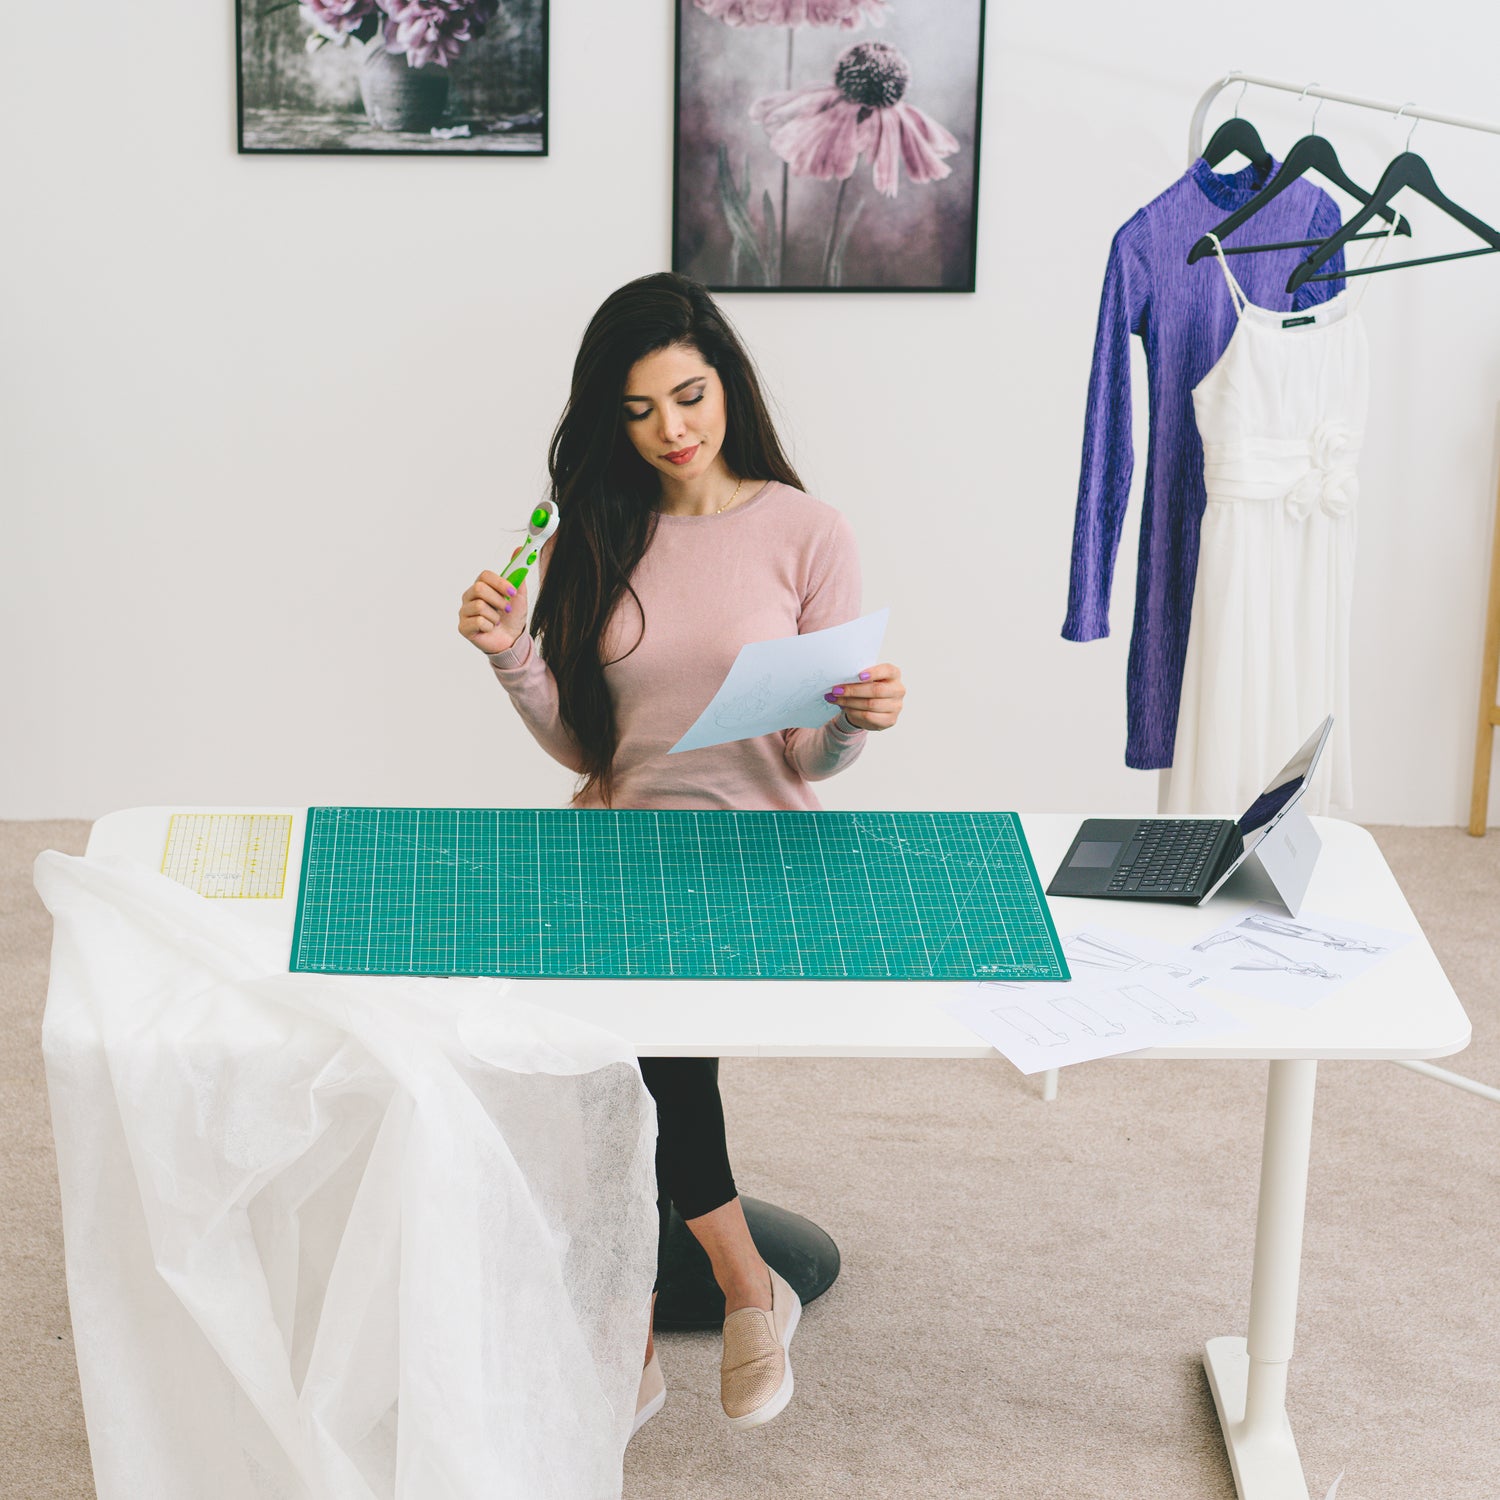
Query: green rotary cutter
[[542, 524]]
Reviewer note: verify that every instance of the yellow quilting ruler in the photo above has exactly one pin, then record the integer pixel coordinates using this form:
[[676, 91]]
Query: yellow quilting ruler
[[232, 856]]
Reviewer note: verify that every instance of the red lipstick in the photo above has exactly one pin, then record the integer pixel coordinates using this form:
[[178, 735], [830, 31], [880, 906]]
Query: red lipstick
[[682, 455]]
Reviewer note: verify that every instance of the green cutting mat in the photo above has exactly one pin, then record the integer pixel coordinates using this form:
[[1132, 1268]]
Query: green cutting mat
[[671, 895]]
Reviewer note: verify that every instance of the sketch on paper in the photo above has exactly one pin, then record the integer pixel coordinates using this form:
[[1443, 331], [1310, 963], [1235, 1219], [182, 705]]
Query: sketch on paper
[[780, 684], [1089, 1018], [1240, 951], [745, 708], [1126, 994], [1161, 1010], [1116, 953], [1285, 927], [1272, 957], [1026, 1025], [763, 698]]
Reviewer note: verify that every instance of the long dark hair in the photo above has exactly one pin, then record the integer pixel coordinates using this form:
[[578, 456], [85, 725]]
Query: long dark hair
[[608, 494]]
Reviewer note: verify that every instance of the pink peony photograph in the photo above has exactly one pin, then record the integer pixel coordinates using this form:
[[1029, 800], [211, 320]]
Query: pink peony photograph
[[440, 77], [828, 144]]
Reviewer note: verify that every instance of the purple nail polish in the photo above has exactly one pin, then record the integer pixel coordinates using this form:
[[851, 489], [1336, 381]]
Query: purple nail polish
[[829, 698], [864, 676], [838, 692], [507, 609]]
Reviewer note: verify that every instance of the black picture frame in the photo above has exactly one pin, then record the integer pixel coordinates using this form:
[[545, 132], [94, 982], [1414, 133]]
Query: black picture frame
[[929, 247], [321, 104]]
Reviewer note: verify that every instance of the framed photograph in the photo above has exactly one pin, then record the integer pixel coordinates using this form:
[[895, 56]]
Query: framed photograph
[[384, 77], [828, 144]]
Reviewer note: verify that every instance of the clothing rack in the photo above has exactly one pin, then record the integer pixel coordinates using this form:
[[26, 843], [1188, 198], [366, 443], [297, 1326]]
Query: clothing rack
[[1314, 91], [1406, 111], [1195, 150]]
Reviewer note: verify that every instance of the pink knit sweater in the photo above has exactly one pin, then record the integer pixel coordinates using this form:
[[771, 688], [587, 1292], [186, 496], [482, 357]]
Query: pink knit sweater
[[780, 563]]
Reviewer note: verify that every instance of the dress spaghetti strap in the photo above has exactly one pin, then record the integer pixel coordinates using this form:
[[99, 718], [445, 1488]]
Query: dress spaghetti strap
[[1236, 291], [1372, 257]]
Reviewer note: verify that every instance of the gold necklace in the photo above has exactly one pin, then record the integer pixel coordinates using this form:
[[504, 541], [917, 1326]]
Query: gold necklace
[[730, 501]]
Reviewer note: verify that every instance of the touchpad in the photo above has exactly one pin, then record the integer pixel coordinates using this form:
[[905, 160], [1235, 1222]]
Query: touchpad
[[1094, 856]]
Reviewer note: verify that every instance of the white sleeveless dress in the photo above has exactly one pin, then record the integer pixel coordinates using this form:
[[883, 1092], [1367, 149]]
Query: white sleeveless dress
[[1282, 417]]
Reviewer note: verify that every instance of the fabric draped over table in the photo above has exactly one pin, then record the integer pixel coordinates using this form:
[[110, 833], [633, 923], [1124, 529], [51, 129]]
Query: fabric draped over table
[[334, 1237]]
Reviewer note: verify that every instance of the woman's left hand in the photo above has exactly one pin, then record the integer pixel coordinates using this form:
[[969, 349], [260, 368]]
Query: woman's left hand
[[873, 702]]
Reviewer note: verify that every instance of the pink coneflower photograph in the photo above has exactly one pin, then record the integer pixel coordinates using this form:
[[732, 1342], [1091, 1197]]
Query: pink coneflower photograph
[[828, 144]]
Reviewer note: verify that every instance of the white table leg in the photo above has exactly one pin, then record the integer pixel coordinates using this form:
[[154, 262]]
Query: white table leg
[[1049, 1085], [1248, 1376]]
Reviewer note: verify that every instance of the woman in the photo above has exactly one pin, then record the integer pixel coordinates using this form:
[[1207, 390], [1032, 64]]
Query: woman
[[684, 533]]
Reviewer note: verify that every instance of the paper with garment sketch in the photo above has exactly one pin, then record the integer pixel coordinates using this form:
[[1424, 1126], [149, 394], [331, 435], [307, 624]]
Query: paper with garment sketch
[[1293, 960], [1143, 996], [775, 685], [1099, 952]]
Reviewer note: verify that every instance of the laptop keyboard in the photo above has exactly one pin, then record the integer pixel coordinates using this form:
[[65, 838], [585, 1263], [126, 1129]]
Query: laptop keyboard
[[1167, 856]]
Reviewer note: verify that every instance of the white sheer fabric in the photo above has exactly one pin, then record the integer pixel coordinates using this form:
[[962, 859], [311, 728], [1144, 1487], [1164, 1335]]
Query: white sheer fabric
[[333, 1237]]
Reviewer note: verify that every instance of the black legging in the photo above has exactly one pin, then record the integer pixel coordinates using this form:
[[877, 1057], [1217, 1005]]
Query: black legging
[[692, 1159]]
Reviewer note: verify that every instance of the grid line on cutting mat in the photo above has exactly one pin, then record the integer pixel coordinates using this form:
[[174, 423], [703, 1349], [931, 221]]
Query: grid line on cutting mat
[[565, 893]]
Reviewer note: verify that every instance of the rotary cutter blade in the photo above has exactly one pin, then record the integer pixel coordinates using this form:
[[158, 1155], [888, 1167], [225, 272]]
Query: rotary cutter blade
[[542, 524]]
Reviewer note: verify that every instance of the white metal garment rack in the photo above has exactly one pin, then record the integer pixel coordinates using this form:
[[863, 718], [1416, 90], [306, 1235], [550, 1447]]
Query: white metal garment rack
[[1406, 111], [1402, 111]]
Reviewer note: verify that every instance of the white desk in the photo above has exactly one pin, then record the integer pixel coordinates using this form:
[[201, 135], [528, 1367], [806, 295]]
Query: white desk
[[1403, 1008]]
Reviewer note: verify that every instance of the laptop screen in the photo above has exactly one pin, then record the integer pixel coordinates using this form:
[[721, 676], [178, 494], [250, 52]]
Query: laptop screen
[[1256, 821]]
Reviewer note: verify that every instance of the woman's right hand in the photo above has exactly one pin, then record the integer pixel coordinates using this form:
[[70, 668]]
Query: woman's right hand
[[493, 612]]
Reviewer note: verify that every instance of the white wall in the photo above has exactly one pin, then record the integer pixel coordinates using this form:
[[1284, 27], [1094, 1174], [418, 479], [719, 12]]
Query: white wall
[[264, 418]]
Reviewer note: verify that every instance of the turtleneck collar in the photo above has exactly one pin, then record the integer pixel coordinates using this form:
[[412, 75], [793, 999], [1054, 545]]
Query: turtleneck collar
[[1231, 190]]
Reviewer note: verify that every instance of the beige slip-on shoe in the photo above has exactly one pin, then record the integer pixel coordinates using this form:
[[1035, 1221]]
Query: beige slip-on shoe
[[652, 1395], [755, 1376]]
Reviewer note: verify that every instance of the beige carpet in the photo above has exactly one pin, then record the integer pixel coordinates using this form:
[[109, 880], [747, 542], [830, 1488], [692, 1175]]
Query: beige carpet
[[1026, 1287]]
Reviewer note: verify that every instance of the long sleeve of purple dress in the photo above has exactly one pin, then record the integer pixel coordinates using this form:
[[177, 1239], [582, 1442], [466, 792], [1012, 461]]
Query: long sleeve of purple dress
[[1108, 444], [1184, 317]]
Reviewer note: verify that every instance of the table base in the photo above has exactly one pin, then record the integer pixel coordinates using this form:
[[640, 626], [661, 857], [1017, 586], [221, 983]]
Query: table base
[[1265, 1462]]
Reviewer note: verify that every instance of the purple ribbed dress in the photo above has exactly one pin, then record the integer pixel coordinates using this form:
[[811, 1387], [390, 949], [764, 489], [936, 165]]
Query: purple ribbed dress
[[1184, 317]]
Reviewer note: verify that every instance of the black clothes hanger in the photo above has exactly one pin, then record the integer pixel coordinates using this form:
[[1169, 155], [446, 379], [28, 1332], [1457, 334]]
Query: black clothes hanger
[[1313, 153], [1239, 135], [1407, 171]]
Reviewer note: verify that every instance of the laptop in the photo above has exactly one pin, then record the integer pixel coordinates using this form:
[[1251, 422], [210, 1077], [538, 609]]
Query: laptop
[[1180, 859]]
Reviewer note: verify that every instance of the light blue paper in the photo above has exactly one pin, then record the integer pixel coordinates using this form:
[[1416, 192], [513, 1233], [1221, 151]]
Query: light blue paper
[[780, 684]]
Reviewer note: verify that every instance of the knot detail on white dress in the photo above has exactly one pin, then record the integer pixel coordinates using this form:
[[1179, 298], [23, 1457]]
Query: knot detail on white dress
[[1330, 481]]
